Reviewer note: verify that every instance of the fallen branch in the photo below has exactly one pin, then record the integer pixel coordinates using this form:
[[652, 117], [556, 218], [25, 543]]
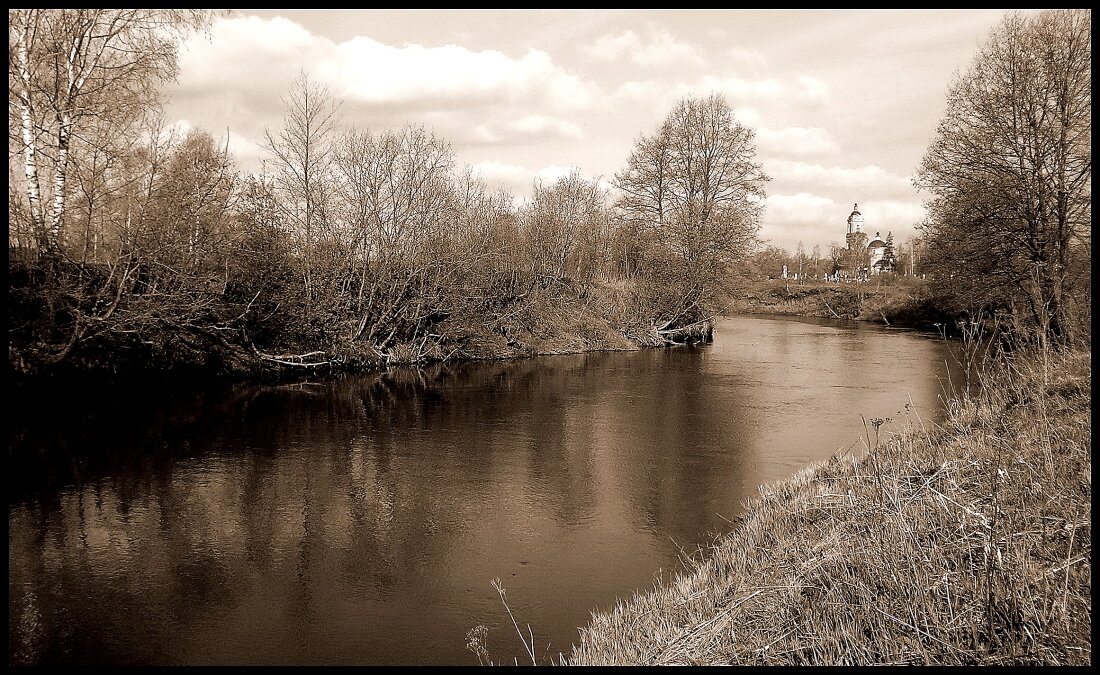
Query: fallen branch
[[292, 359]]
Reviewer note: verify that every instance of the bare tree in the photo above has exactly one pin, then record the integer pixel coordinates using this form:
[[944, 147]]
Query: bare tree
[[837, 256], [770, 261], [303, 152], [1010, 170], [397, 200], [696, 190], [696, 181], [565, 223]]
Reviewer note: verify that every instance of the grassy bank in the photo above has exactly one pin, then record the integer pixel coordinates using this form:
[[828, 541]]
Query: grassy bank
[[896, 301], [968, 543]]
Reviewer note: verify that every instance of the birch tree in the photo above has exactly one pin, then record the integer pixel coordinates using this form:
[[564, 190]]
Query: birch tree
[[70, 69]]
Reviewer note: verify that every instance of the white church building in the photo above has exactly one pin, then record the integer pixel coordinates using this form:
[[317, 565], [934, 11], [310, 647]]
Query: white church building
[[863, 258]]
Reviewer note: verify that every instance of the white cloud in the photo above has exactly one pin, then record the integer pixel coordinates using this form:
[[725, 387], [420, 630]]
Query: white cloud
[[803, 217], [529, 128], [804, 90], [179, 128], [518, 179], [899, 217], [795, 141], [258, 58], [244, 150], [748, 116], [802, 207], [229, 56], [748, 60], [813, 90], [373, 72], [738, 90], [659, 48], [542, 126], [500, 174], [864, 178], [549, 174]]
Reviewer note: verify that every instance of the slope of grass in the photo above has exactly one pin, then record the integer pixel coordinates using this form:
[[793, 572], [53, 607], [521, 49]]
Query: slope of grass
[[964, 544]]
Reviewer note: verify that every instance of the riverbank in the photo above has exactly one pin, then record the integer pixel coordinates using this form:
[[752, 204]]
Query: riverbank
[[965, 544], [47, 342], [896, 301]]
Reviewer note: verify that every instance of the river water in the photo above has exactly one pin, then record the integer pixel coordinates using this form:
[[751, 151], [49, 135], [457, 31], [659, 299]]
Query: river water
[[360, 519]]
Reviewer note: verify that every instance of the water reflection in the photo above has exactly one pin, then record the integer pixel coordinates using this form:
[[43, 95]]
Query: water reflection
[[359, 519]]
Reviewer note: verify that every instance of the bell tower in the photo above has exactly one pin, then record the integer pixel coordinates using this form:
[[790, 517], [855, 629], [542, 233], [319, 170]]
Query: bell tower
[[857, 243], [855, 220], [855, 238]]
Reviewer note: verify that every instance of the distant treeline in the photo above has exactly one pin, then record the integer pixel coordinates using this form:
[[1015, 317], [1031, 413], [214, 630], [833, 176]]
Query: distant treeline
[[132, 247]]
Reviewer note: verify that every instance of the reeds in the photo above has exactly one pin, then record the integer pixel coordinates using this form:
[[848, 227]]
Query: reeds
[[968, 543]]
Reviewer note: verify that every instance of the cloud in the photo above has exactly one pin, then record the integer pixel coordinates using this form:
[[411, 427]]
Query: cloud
[[366, 70], [179, 128], [502, 175], [538, 127], [518, 179], [899, 217], [550, 174], [659, 48], [464, 130], [803, 217], [808, 91], [541, 125], [748, 116], [746, 60], [243, 69], [244, 150], [862, 179], [247, 63], [795, 141], [738, 90], [250, 54], [802, 207], [813, 90]]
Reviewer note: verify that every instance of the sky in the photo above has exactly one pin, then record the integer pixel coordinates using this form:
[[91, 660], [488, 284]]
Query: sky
[[844, 103]]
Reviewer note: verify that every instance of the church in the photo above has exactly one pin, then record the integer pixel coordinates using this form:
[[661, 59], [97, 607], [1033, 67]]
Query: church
[[863, 258]]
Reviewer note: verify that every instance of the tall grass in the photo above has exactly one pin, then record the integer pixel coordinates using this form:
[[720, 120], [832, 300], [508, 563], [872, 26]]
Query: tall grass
[[967, 543]]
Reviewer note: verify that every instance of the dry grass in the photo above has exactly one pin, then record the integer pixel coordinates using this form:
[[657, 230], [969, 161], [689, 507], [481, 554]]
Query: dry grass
[[966, 544]]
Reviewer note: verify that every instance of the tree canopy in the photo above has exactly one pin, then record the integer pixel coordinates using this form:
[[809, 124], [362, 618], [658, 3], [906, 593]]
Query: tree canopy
[[1010, 174]]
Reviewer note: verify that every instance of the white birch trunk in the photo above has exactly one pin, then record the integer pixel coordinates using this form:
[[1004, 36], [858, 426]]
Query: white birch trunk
[[57, 212], [30, 160]]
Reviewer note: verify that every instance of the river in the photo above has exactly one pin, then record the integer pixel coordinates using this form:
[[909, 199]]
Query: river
[[360, 519]]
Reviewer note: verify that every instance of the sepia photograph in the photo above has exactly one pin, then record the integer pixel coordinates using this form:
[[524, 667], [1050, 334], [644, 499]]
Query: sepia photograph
[[549, 337]]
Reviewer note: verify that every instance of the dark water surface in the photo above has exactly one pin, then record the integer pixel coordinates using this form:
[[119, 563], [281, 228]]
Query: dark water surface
[[360, 519]]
